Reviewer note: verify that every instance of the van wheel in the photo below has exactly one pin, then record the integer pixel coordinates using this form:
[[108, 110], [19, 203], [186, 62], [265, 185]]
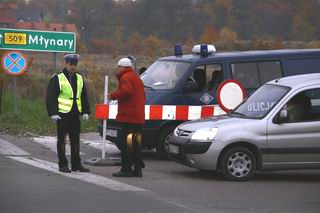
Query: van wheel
[[163, 143], [238, 164]]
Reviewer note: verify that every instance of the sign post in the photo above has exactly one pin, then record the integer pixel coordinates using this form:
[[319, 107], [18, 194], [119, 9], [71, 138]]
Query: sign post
[[102, 113], [15, 95], [104, 131], [33, 40]]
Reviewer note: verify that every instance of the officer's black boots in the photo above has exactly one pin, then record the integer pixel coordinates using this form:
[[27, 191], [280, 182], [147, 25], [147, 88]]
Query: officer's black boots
[[80, 168]]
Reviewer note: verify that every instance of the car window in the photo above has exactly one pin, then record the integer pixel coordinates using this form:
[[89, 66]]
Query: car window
[[304, 106], [261, 102]]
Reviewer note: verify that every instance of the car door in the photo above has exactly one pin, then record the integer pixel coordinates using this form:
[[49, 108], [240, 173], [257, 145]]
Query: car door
[[296, 143]]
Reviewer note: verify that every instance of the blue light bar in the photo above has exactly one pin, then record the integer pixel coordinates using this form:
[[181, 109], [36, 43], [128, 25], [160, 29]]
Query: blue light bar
[[204, 50], [178, 50]]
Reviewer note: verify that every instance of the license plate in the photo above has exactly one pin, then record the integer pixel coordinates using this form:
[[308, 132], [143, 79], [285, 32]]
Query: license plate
[[173, 149], [112, 132]]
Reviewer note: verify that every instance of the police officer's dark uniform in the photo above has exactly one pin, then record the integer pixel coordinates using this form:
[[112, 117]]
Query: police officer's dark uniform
[[66, 100]]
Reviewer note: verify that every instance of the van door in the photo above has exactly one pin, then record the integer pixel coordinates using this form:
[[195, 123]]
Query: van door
[[206, 79], [296, 143]]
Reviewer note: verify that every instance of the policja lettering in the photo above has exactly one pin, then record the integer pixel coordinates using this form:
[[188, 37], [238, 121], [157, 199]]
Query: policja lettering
[[36, 40]]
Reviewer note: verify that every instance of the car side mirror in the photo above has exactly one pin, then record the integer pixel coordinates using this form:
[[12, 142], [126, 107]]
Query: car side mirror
[[190, 86], [282, 117], [142, 70]]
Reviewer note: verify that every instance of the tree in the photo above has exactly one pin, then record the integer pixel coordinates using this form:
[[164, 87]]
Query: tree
[[152, 45], [209, 35], [135, 43], [228, 35]]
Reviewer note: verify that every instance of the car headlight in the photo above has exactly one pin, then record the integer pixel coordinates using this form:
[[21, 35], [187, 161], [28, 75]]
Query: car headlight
[[175, 132], [205, 134]]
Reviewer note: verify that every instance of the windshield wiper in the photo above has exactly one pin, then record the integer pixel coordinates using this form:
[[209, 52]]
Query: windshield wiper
[[237, 113]]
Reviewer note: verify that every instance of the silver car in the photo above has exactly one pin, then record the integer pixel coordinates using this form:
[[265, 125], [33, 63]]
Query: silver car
[[277, 127]]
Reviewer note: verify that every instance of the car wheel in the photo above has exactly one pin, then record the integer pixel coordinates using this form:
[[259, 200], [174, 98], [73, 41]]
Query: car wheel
[[163, 143], [238, 164]]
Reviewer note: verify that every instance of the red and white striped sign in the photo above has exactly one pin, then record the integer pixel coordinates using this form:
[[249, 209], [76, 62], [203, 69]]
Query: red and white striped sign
[[163, 112]]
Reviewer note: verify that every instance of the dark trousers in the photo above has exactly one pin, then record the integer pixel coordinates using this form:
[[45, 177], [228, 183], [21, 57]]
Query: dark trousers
[[69, 125], [130, 140]]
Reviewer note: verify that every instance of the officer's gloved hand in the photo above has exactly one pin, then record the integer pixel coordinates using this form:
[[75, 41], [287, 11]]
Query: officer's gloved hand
[[85, 117], [55, 118]]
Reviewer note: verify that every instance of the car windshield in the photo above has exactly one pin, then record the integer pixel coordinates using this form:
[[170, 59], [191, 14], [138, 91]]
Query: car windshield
[[164, 74], [261, 102]]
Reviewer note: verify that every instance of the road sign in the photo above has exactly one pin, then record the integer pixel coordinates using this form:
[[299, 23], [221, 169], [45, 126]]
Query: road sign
[[14, 63], [32, 40], [230, 94]]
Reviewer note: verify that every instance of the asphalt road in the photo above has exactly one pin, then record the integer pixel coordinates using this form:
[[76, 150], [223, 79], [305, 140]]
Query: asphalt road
[[30, 182]]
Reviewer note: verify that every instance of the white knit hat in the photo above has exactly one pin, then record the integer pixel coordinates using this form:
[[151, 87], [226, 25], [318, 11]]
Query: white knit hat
[[124, 62]]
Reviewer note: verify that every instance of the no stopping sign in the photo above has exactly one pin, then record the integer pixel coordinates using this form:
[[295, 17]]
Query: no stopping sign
[[230, 94], [15, 63]]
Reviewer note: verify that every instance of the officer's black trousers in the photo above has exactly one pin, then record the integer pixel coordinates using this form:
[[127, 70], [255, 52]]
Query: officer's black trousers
[[69, 125], [130, 141]]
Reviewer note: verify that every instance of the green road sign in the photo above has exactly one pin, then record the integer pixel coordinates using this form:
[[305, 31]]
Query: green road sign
[[33, 40]]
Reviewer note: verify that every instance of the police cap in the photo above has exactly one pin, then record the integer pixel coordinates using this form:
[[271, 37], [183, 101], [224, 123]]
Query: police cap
[[72, 58]]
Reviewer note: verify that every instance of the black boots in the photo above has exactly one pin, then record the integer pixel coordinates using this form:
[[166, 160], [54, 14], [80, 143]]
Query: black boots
[[80, 168], [127, 172], [124, 172], [137, 172], [65, 169]]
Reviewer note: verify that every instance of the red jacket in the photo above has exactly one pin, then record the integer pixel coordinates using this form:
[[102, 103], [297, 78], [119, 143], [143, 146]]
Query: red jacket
[[130, 96]]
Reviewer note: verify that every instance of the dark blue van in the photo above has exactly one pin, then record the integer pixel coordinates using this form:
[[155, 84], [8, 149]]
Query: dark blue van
[[193, 80]]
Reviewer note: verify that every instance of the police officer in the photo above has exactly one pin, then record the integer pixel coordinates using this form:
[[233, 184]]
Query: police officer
[[131, 101], [66, 100]]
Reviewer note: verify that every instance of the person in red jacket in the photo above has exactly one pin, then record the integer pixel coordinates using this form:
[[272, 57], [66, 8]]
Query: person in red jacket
[[131, 101]]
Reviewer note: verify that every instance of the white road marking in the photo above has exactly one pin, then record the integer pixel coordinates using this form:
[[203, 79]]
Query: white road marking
[[7, 148], [86, 177], [110, 147], [51, 143]]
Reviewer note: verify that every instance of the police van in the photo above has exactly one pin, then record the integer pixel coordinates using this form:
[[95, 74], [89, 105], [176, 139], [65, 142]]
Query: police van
[[193, 80]]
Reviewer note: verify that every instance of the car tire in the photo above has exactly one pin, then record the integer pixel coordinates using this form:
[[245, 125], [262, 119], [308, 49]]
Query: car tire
[[163, 143], [238, 164]]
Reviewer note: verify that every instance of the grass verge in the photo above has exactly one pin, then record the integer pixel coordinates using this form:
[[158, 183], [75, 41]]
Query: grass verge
[[32, 117]]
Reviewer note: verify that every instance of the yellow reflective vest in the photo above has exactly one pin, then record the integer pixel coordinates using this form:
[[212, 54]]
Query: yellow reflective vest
[[66, 96]]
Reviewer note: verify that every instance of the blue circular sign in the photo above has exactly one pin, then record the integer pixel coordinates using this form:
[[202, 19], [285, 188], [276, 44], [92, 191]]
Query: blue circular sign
[[14, 63]]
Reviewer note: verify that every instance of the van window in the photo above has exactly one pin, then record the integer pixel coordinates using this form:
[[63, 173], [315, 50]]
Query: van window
[[296, 66], [269, 70], [164, 74], [254, 74], [208, 77]]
